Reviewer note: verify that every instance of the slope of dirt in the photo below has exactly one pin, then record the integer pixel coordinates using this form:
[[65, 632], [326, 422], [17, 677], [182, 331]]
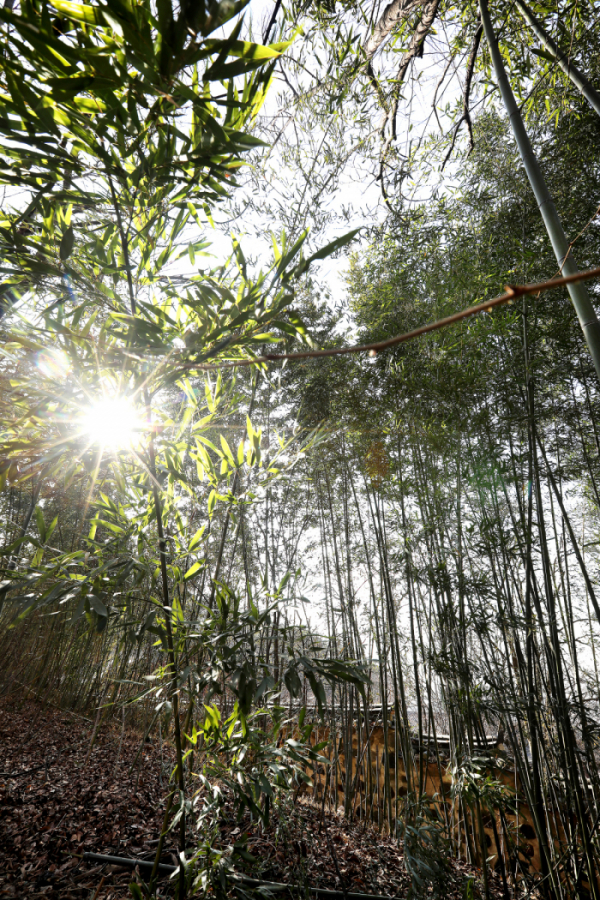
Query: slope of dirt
[[53, 808]]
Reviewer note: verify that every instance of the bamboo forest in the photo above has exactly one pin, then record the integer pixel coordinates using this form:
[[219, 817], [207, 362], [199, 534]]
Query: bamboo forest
[[300, 449]]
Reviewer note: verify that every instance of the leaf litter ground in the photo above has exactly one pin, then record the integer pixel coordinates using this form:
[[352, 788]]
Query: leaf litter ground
[[53, 809]]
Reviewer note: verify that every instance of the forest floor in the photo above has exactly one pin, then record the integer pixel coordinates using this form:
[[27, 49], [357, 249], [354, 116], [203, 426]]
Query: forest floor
[[55, 805]]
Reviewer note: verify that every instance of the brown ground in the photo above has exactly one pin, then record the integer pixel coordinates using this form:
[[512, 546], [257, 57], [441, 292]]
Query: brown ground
[[52, 809]]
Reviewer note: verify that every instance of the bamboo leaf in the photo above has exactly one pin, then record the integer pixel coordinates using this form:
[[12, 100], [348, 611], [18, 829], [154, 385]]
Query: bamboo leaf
[[66, 244], [193, 570]]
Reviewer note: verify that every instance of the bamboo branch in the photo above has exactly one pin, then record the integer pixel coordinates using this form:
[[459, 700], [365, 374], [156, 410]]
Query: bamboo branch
[[244, 879], [414, 49], [508, 297], [466, 113], [394, 12]]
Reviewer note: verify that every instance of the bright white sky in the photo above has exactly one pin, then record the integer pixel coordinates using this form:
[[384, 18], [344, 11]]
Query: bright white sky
[[416, 122]]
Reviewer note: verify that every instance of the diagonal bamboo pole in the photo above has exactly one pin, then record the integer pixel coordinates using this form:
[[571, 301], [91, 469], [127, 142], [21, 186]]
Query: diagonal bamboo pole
[[562, 59], [578, 292]]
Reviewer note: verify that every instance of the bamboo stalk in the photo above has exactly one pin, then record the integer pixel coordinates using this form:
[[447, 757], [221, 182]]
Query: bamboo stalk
[[562, 250]]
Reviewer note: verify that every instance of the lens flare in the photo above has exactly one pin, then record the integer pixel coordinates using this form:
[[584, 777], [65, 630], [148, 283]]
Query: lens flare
[[53, 364]]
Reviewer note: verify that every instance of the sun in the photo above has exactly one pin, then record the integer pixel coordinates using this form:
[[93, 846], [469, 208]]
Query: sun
[[113, 423]]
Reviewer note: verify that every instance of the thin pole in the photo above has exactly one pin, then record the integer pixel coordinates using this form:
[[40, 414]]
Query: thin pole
[[577, 291], [511, 293]]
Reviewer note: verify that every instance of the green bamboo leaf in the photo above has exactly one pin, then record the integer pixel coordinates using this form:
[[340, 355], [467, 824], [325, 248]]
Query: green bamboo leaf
[[227, 451], [212, 500], [326, 251], [80, 12], [67, 243], [97, 604], [224, 71], [248, 50], [51, 529], [193, 570], [544, 54], [196, 539], [292, 681], [39, 518], [240, 453], [116, 529]]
